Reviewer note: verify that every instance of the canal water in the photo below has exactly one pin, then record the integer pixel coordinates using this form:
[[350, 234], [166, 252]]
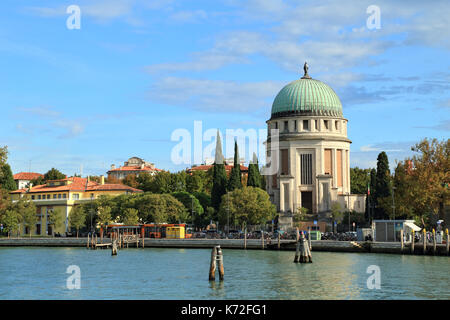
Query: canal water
[[40, 273]]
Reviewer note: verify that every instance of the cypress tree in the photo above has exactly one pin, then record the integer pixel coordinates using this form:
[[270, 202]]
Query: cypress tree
[[235, 181], [254, 177], [382, 183], [219, 187], [7, 179]]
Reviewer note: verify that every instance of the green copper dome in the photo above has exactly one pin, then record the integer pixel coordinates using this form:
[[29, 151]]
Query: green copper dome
[[307, 96]]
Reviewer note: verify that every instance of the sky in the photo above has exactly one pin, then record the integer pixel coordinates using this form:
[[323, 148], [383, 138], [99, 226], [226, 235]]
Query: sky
[[136, 72]]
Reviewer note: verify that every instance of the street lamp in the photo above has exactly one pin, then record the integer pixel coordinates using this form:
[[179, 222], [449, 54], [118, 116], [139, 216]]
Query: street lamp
[[393, 209], [348, 207]]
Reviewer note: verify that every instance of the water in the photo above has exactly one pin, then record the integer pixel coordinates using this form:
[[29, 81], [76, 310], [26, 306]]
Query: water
[[40, 273]]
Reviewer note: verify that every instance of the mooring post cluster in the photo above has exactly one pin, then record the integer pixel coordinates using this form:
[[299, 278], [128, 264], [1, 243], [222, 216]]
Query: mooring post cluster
[[302, 253], [216, 260]]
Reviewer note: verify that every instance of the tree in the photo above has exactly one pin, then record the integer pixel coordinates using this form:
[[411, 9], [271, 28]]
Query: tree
[[77, 218], [56, 218], [11, 221], [235, 181], [219, 185], [3, 157], [195, 182], [7, 179], [131, 181], [103, 216], [130, 216], [336, 213], [359, 180], [248, 205], [422, 182], [254, 176], [26, 211], [53, 174], [192, 206], [382, 185]]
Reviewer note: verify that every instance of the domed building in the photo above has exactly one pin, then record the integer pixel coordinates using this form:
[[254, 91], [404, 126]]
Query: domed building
[[314, 150]]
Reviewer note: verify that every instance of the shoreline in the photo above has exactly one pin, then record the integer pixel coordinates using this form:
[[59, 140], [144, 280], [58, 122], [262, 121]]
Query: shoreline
[[252, 244]]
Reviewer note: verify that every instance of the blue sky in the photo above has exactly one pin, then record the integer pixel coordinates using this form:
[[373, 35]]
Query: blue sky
[[138, 70]]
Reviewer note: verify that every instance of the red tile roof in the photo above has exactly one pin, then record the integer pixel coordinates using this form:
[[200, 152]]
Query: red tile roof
[[207, 167], [134, 168], [27, 176], [78, 184]]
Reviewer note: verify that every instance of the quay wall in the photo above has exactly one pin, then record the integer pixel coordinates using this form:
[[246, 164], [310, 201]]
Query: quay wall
[[320, 245]]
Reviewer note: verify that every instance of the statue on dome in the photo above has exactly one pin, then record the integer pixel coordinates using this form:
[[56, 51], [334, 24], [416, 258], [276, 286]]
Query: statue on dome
[[305, 68]]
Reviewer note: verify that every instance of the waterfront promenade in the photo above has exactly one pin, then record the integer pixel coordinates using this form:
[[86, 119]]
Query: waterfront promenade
[[255, 244]]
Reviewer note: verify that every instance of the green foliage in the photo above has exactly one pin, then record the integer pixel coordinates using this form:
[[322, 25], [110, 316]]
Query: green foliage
[[219, 185], [235, 181], [196, 182], [254, 176], [3, 157], [77, 218], [103, 214], [359, 180], [193, 207], [336, 212], [129, 216], [53, 174], [204, 199], [382, 185], [10, 220], [6, 178], [56, 217], [246, 206]]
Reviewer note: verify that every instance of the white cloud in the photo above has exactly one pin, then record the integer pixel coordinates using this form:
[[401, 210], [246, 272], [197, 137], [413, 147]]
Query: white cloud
[[215, 95]]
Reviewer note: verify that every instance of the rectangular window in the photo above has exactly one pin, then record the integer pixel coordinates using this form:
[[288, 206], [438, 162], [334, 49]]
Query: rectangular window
[[59, 196], [75, 196], [339, 167], [48, 196], [306, 168], [316, 125], [286, 126], [32, 197], [336, 124], [39, 197], [274, 181], [328, 163], [305, 125], [276, 125], [295, 125], [64, 196], [38, 229], [325, 123], [54, 196], [284, 162]]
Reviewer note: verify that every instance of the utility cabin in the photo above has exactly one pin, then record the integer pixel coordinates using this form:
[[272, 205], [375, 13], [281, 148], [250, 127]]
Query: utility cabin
[[389, 230], [175, 233]]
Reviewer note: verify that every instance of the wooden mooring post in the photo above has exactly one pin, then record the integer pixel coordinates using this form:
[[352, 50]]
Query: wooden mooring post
[[401, 241], [245, 238], [262, 240], [220, 262], [424, 241], [302, 253], [447, 240], [279, 241], [434, 241], [412, 242], [114, 248], [216, 260], [87, 245]]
